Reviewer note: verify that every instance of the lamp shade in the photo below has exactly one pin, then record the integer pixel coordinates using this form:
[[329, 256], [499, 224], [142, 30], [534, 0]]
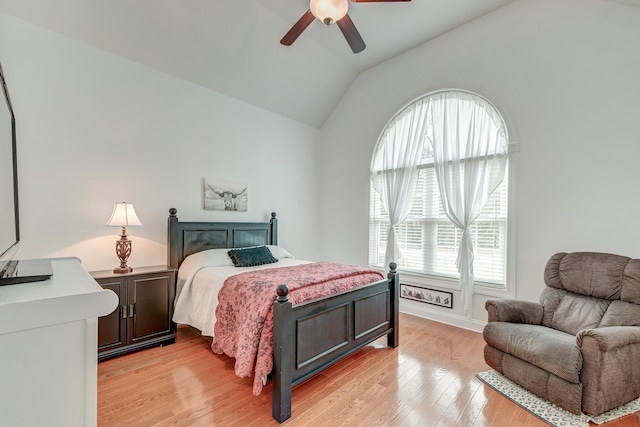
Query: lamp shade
[[123, 215], [329, 11]]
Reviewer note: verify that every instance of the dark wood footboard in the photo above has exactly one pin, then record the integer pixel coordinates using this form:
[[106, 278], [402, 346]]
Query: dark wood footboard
[[311, 336]]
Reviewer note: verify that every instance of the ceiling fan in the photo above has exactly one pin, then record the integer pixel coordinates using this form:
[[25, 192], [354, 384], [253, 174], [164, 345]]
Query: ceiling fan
[[329, 12]]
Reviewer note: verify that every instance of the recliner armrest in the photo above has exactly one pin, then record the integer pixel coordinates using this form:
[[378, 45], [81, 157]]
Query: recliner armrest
[[610, 367], [514, 311], [610, 337]]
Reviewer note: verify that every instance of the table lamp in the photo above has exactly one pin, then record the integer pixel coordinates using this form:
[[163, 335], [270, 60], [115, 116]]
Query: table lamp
[[124, 216]]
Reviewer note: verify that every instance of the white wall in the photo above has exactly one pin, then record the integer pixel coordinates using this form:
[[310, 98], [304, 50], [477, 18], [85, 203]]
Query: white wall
[[94, 128], [565, 75]]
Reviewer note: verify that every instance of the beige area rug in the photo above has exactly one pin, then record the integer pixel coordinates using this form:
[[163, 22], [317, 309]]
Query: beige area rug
[[545, 410]]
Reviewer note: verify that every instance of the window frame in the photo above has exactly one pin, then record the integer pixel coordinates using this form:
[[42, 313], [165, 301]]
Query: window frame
[[490, 289]]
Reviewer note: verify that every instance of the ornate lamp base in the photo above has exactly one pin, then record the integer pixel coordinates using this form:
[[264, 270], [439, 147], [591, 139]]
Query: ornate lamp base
[[123, 270], [123, 250]]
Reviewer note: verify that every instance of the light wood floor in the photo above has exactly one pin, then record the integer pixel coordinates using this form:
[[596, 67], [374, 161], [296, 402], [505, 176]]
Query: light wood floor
[[427, 381]]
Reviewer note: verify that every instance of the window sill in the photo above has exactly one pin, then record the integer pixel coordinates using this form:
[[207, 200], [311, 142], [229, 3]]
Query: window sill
[[417, 279], [452, 284]]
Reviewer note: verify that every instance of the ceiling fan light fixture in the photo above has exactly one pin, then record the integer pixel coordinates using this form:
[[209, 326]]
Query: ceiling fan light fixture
[[329, 11]]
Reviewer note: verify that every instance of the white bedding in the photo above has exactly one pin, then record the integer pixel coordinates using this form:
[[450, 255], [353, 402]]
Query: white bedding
[[200, 278]]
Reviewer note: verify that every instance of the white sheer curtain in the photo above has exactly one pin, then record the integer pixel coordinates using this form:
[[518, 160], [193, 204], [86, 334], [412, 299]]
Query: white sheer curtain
[[470, 148], [394, 173]]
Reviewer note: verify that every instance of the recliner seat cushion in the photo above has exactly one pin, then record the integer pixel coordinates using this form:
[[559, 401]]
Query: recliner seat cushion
[[549, 349]]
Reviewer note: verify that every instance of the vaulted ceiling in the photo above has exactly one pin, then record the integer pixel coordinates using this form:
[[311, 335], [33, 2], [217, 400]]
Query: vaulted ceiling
[[232, 46]]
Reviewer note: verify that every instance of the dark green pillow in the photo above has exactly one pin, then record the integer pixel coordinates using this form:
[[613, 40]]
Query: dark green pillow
[[248, 257]]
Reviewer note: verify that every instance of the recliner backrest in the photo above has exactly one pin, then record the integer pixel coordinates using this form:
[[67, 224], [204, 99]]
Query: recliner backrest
[[589, 290]]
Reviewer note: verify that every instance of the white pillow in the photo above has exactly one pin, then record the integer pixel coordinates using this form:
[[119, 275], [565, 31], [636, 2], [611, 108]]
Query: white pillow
[[209, 258], [279, 252], [220, 257]]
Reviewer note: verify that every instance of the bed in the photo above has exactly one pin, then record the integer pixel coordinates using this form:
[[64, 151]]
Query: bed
[[307, 336]]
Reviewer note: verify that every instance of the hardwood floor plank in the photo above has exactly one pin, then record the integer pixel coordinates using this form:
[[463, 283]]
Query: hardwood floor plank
[[477, 401], [429, 380]]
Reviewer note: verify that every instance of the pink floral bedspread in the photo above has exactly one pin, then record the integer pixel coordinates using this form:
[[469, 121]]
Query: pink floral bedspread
[[244, 325]]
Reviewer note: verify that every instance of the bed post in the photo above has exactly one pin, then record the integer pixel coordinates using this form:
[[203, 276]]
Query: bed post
[[393, 339], [173, 253], [282, 355], [274, 229]]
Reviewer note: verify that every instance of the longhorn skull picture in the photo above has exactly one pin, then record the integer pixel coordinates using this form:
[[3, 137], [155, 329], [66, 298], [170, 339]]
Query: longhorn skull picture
[[225, 196]]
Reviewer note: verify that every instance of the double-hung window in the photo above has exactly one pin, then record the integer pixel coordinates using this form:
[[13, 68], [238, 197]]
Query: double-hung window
[[427, 238]]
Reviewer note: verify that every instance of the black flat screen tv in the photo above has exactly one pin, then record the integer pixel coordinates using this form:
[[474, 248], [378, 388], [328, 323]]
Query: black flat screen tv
[[12, 271]]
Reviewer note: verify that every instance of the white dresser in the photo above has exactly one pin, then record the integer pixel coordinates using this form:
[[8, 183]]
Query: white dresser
[[48, 348]]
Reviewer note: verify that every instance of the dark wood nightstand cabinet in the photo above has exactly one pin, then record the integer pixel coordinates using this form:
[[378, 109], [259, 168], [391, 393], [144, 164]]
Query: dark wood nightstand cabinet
[[143, 317]]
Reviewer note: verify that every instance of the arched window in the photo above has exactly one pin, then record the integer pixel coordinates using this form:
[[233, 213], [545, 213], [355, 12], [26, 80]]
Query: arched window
[[453, 123]]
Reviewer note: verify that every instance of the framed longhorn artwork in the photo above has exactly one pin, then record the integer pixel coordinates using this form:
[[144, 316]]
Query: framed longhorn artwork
[[225, 195]]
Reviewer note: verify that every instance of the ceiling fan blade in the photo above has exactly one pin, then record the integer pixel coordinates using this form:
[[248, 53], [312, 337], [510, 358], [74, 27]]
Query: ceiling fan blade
[[376, 1], [351, 34], [297, 28]]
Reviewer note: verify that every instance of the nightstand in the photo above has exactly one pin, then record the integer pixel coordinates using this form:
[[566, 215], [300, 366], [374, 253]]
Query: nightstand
[[145, 309]]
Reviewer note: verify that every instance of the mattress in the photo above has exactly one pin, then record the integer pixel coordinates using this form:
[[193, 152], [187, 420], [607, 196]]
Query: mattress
[[200, 279]]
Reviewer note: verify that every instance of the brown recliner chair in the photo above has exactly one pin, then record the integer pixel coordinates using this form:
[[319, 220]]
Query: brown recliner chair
[[580, 346]]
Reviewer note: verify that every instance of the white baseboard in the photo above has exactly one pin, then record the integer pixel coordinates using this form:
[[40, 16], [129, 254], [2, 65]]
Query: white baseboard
[[425, 312]]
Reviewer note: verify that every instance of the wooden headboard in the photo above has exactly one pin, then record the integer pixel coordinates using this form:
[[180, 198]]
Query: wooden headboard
[[186, 238]]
